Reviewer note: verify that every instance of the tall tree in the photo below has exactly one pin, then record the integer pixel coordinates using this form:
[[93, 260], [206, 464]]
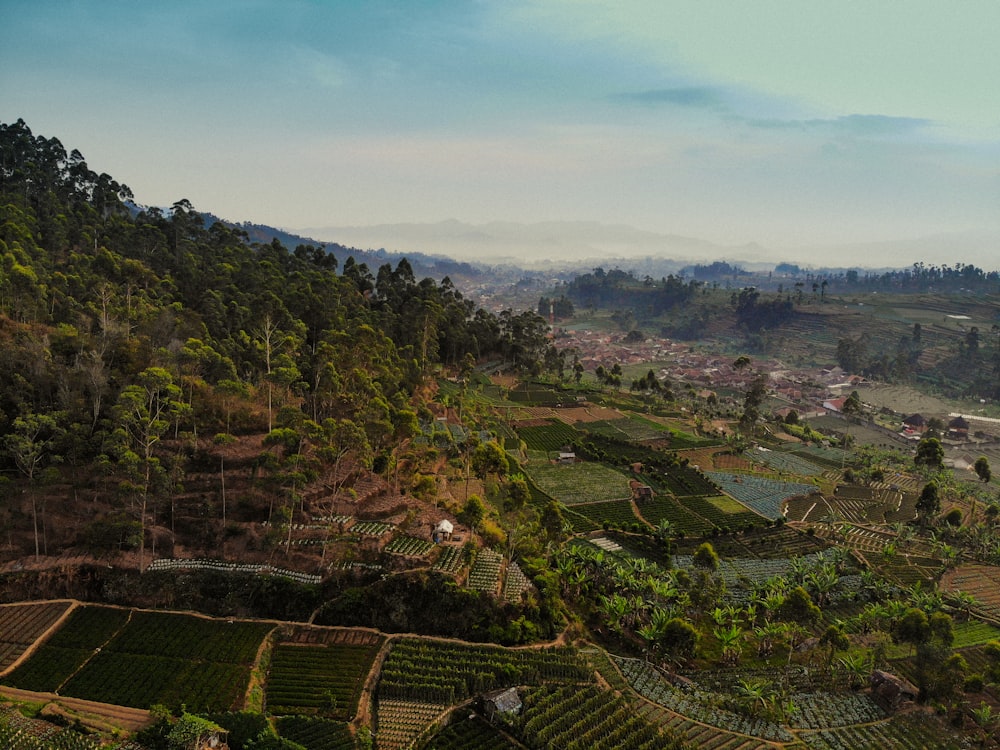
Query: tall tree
[[29, 443], [142, 416]]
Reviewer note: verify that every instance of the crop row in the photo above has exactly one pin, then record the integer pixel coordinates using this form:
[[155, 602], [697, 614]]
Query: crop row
[[549, 437], [722, 512], [163, 563], [515, 583], [316, 734], [787, 463], [669, 509], [584, 718], [409, 546], [629, 428], [89, 627], [438, 672], [141, 681], [612, 512], [450, 560], [827, 710], [686, 481], [18, 732], [471, 733], [324, 679], [766, 496], [371, 528], [485, 573], [48, 668], [581, 482], [192, 638], [400, 722], [913, 731], [22, 624]]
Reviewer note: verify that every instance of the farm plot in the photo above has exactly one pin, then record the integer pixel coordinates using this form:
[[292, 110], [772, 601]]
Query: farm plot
[[316, 734], [324, 680], [766, 496], [587, 717], [22, 624], [974, 633], [160, 657], [616, 513], [85, 630], [18, 732], [981, 581], [371, 528], [667, 508], [740, 573], [913, 731], [581, 524], [831, 458], [828, 710], [400, 723], [451, 560], [485, 573], [631, 428], [687, 481], [444, 673], [582, 482], [472, 733], [723, 512], [409, 546], [695, 704], [515, 583], [787, 463], [549, 437]]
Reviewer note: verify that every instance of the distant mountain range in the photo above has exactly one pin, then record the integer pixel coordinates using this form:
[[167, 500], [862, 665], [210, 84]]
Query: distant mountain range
[[585, 244]]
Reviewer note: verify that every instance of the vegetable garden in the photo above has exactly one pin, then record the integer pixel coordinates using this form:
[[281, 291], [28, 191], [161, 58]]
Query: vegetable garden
[[766, 496], [323, 679], [315, 733], [582, 482], [585, 718], [444, 673], [156, 657], [549, 437]]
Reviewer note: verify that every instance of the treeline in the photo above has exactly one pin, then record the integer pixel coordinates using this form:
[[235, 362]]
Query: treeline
[[617, 289]]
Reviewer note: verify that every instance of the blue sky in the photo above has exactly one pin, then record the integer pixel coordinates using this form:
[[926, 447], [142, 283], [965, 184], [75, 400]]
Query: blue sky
[[791, 124]]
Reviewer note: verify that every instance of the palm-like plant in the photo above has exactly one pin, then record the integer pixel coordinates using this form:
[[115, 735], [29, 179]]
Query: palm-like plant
[[729, 638]]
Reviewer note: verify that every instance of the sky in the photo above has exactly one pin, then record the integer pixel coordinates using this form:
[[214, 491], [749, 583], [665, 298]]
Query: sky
[[792, 124]]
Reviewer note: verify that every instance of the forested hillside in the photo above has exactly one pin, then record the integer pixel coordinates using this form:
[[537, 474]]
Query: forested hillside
[[138, 347]]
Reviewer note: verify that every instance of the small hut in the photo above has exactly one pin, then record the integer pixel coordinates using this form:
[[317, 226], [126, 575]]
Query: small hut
[[915, 423], [443, 531], [506, 701], [891, 691]]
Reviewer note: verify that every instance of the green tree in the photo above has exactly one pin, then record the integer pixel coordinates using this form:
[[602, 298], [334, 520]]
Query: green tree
[[473, 512], [798, 607], [982, 468], [929, 502], [142, 416], [929, 453], [706, 557], [29, 444]]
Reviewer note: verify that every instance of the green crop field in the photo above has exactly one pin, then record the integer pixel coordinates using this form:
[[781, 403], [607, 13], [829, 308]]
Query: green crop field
[[321, 679], [582, 482], [154, 657]]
